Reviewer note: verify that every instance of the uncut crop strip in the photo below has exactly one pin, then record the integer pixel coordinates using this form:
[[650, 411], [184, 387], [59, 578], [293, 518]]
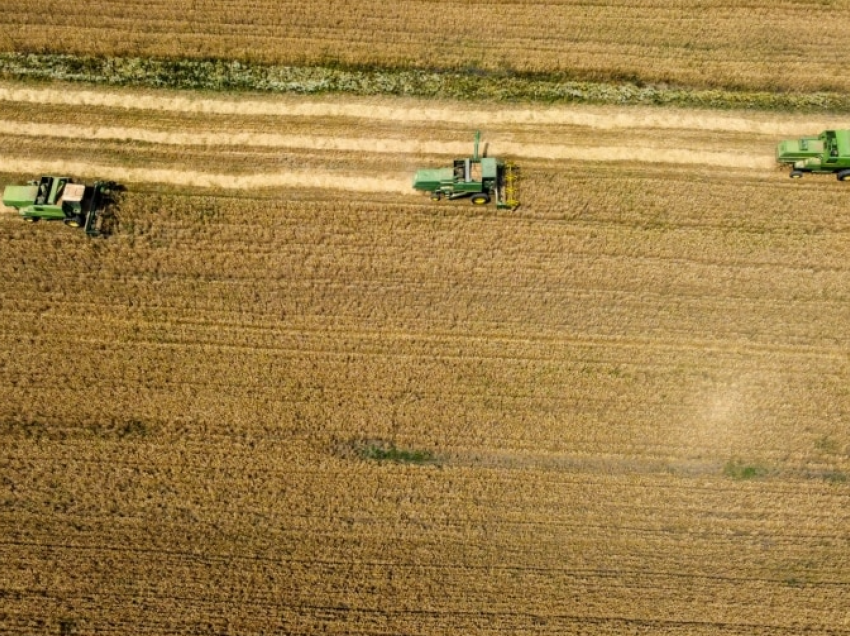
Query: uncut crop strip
[[459, 559], [717, 331], [180, 397], [656, 41]]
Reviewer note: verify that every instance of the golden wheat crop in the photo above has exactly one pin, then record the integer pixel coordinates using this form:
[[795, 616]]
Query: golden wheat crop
[[762, 45], [630, 391]]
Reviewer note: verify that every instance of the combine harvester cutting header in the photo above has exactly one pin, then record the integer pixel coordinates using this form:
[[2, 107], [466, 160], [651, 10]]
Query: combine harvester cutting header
[[482, 179], [828, 152], [60, 199]]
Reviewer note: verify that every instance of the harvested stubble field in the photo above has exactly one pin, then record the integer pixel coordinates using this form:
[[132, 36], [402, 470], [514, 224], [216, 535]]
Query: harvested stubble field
[[625, 400]]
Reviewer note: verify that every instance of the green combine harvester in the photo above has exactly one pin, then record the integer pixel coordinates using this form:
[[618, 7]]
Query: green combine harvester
[[828, 152], [482, 179], [60, 199]]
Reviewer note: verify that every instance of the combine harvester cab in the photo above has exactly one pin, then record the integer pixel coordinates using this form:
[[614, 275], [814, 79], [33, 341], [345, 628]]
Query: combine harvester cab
[[828, 152], [482, 179], [59, 199]]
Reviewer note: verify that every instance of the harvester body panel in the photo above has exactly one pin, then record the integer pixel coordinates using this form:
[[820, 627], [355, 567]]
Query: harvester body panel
[[430, 179], [19, 196]]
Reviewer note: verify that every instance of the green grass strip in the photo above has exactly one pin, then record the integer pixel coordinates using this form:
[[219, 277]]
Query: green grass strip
[[399, 455], [739, 470]]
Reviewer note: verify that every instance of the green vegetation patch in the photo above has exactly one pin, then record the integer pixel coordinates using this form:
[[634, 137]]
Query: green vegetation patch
[[470, 83], [740, 470], [393, 454], [834, 476], [382, 451]]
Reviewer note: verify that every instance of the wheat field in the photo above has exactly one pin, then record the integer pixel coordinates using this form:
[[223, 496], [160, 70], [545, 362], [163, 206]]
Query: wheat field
[[771, 45], [286, 395]]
